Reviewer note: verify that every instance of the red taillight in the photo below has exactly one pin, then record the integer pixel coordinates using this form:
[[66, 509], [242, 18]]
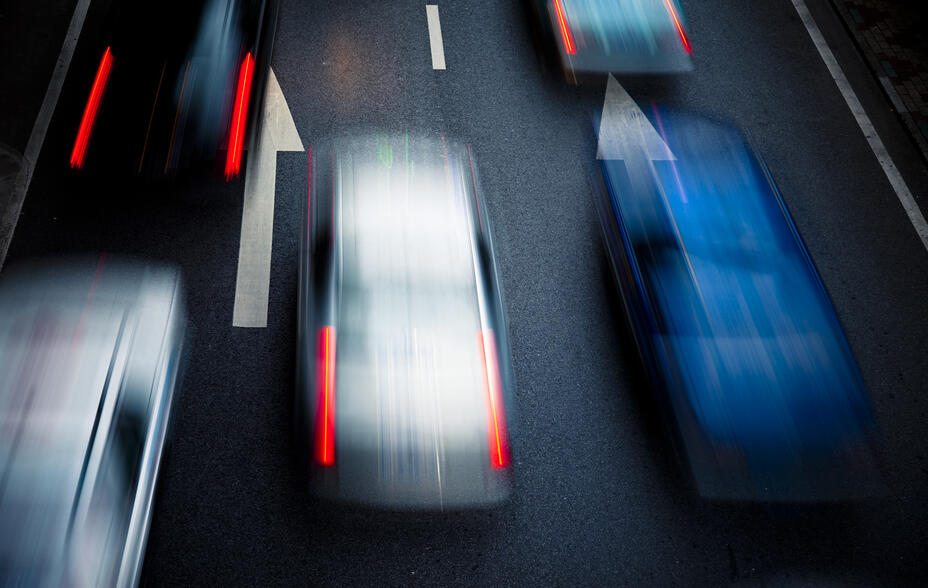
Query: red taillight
[[90, 111], [496, 411], [564, 27], [676, 22], [325, 397], [239, 117]]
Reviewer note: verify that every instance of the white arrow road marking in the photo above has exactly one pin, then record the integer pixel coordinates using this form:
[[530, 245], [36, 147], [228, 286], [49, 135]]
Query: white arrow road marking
[[625, 132], [252, 285], [438, 49]]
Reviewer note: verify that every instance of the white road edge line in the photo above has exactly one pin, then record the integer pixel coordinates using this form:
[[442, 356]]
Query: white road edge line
[[253, 277], [863, 121], [10, 216], [893, 95], [438, 49]]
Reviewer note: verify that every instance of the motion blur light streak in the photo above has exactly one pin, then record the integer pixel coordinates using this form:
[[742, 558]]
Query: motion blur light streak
[[309, 192], [180, 105], [179, 102], [332, 234], [237, 129], [676, 22], [498, 437], [325, 417], [90, 295], [673, 166], [473, 178], [565, 28], [151, 118], [90, 111]]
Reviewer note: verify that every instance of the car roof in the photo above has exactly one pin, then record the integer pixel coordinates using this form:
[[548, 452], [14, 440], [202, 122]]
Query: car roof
[[405, 220], [410, 298], [718, 191], [714, 204], [715, 190]]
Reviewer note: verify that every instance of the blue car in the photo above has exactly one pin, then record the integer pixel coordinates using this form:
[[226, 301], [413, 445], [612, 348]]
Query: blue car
[[733, 323]]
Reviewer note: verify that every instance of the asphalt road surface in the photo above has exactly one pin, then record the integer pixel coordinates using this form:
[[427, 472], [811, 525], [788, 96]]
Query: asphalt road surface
[[599, 498]]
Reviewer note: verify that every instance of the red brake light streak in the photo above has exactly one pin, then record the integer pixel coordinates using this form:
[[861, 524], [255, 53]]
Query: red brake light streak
[[564, 27], [90, 111], [676, 22], [324, 451], [239, 117], [498, 433]]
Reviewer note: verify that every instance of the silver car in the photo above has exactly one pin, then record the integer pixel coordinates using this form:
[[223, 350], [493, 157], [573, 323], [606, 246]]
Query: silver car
[[404, 382], [88, 360]]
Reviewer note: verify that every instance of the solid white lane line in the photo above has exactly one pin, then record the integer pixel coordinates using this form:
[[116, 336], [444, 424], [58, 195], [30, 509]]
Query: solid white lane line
[[863, 121], [438, 49], [9, 216], [253, 281]]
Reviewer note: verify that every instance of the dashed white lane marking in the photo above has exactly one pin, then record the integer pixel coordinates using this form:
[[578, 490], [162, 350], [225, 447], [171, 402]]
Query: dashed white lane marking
[[438, 49], [9, 216], [863, 121], [253, 281]]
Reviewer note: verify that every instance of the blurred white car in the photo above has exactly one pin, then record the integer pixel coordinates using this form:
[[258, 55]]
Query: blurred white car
[[403, 365], [88, 361]]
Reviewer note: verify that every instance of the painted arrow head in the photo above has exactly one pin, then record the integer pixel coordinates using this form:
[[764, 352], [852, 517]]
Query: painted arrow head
[[625, 132], [278, 124]]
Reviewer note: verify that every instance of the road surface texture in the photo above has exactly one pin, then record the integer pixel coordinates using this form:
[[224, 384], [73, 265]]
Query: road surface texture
[[599, 498]]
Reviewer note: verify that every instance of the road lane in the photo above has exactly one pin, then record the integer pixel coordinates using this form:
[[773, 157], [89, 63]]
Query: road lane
[[866, 126], [598, 499]]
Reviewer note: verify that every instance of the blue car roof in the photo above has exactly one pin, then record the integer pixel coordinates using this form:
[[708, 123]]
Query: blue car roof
[[736, 318]]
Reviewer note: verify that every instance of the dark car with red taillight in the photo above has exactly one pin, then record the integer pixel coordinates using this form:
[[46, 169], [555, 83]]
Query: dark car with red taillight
[[169, 86]]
